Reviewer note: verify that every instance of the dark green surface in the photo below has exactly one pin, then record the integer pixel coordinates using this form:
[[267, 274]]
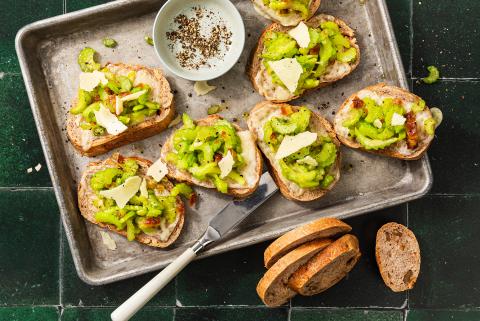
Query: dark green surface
[[29, 313], [446, 34], [29, 247], [231, 314], [345, 315], [38, 280], [101, 314], [448, 232], [19, 144], [432, 315]]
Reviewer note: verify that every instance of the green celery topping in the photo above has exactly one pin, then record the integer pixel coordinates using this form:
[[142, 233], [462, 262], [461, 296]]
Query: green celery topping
[[134, 111], [326, 46], [371, 124], [198, 150], [288, 7], [310, 166], [141, 214]]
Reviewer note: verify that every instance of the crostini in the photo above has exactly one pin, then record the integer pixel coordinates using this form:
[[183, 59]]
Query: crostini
[[117, 105], [214, 153], [386, 120], [132, 197], [301, 148], [287, 13], [289, 61]]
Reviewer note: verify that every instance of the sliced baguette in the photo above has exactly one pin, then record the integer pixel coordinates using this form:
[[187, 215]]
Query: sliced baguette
[[284, 20], [379, 92], [88, 144], [258, 116], [398, 256], [86, 196], [325, 227], [326, 268], [251, 172], [273, 288], [262, 82]]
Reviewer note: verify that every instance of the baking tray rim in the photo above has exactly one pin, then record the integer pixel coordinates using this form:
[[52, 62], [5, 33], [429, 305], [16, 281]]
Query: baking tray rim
[[80, 267]]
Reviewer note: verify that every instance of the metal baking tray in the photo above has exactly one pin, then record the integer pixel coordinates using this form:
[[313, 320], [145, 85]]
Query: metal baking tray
[[48, 51]]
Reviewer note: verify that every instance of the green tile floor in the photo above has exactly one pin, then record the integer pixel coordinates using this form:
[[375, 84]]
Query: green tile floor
[[38, 280]]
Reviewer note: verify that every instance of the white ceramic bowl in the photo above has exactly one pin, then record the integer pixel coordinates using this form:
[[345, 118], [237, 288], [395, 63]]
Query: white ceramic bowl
[[164, 22]]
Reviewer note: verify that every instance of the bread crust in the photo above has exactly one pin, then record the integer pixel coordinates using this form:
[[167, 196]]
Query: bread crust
[[325, 227], [312, 9], [285, 186], [88, 210], [184, 176], [326, 268], [273, 288], [411, 253], [255, 61], [383, 89], [148, 128]]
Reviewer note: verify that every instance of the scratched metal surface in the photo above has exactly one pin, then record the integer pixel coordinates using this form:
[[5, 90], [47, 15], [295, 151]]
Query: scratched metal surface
[[48, 51]]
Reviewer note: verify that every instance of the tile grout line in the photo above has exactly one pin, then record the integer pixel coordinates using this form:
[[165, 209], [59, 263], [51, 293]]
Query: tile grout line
[[25, 188]]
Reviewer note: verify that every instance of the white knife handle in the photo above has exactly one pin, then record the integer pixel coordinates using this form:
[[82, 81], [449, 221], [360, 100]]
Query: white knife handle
[[125, 311]]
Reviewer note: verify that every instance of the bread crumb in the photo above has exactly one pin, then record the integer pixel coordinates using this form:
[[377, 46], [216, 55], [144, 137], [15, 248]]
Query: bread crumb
[[29, 170], [38, 167]]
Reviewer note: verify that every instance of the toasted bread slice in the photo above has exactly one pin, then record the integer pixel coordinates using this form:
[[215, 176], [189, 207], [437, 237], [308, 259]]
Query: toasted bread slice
[[379, 92], [398, 256], [86, 196], [291, 19], [257, 118], [326, 268], [262, 81], [325, 227], [273, 288], [88, 144], [251, 172]]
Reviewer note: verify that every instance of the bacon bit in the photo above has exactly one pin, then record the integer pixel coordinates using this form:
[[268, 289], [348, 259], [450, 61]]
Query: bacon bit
[[411, 126], [180, 207], [397, 101], [357, 103], [218, 157], [286, 110], [153, 221], [315, 50], [192, 200]]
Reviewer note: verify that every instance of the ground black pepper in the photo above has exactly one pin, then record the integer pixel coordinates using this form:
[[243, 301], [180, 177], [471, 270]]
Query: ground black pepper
[[196, 48]]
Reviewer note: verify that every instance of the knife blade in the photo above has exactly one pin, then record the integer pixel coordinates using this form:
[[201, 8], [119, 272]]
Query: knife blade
[[226, 219]]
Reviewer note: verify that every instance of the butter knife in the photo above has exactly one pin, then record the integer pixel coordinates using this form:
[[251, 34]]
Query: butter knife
[[226, 219]]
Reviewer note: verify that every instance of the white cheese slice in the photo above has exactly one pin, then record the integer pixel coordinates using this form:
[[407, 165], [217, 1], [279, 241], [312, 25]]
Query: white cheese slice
[[292, 144], [123, 193], [143, 188], [308, 160], [397, 120], [202, 88], [289, 72], [108, 120], [118, 105], [133, 96], [108, 241], [226, 165], [301, 35], [158, 170], [90, 80], [377, 123]]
